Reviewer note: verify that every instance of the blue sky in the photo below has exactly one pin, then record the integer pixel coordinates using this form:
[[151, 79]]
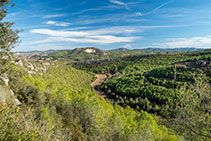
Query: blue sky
[[109, 24]]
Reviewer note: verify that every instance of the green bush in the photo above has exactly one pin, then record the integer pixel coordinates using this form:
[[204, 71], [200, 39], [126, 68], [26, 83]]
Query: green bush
[[82, 115], [17, 126]]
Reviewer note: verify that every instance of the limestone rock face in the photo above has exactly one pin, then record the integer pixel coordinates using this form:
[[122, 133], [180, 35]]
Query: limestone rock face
[[7, 96], [5, 78], [90, 51]]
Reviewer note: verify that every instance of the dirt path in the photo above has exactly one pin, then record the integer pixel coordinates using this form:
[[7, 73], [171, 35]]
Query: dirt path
[[146, 78], [97, 83]]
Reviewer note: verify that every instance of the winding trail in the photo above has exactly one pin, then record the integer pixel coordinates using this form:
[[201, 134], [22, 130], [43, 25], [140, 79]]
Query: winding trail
[[144, 74], [97, 83]]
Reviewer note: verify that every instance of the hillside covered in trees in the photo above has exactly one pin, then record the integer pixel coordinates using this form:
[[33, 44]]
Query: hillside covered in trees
[[151, 96], [160, 84]]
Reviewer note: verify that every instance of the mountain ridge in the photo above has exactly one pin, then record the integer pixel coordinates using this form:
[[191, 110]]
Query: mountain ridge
[[119, 49]]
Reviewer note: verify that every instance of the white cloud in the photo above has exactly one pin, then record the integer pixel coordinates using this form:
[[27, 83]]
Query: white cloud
[[118, 2], [90, 39], [162, 5], [127, 46], [187, 42], [157, 26], [58, 23], [60, 33], [53, 16], [121, 29], [91, 36], [109, 18], [121, 4], [139, 13], [103, 31], [90, 9], [118, 30], [109, 35], [159, 7]]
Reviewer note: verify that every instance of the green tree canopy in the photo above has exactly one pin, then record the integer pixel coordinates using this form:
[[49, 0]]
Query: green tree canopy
[[8, 37]]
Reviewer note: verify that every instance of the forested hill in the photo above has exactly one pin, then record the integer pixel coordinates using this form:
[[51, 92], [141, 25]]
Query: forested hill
[[59, 100], [90, 55], [59, 104], [152, 94], [161, 49], [176, 86], [167, 49], [82, 51]]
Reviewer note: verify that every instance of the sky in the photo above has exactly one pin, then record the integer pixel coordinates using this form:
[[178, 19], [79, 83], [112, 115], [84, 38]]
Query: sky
[[111, 24]]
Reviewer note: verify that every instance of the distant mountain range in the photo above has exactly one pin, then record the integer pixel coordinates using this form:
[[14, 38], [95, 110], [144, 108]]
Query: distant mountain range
[[161, 49], [38, 51], [81, 50], [76, 51], [79, 54], [92, 54]]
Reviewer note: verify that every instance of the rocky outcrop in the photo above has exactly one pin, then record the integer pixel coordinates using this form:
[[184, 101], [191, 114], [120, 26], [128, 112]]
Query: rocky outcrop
[[90, 51], [197, 64], [7, 96], [5, 78]]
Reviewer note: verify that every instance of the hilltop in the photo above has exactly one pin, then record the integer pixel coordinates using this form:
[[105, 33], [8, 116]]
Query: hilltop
[[89, 52], [92, 54], [78, 55], [138, 83], [161, 49]]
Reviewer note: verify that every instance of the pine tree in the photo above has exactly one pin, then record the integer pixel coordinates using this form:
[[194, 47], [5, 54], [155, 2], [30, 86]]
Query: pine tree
[[8, 37]]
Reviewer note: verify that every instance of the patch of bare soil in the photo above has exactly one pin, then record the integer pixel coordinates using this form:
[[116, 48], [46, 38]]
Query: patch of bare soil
[[97, 83]]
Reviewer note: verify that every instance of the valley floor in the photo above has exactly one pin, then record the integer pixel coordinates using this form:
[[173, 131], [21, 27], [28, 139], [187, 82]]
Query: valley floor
[[97, 83]]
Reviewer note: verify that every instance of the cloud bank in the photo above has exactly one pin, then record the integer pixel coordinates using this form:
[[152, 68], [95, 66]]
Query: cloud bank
[[187, 42], [58, 23], [118, 2], [91, 36], [53, 16]]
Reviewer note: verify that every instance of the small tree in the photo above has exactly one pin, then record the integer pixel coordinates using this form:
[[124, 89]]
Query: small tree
[[8, 37], [193, 112]]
